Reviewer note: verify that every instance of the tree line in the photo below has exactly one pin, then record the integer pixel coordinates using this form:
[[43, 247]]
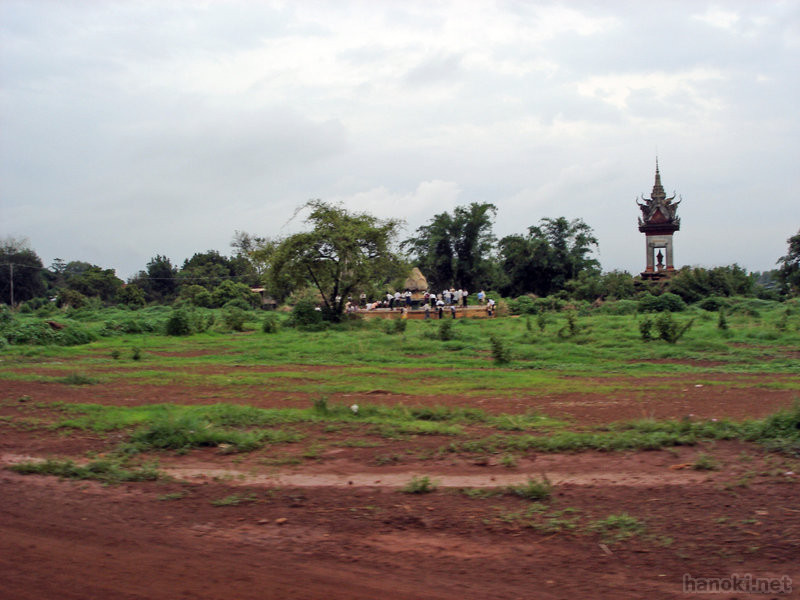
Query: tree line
[[343, 253]]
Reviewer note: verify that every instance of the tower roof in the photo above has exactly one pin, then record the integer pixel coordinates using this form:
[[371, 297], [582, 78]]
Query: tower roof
[[658, 189]]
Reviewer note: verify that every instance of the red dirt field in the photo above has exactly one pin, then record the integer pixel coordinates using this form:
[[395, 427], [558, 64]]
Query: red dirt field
[[325, 518]]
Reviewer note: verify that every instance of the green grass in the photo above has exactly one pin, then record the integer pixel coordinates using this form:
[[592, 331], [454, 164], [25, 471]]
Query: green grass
[[420, 485], [234, 500], [107, 471], [617, 527], [534, 489]]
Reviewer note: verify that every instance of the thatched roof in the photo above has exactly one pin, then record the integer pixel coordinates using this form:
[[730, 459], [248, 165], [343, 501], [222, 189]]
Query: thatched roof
[[416, 281]]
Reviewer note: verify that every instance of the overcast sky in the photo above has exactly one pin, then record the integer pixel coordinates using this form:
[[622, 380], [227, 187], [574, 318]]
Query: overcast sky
[[130, 129]]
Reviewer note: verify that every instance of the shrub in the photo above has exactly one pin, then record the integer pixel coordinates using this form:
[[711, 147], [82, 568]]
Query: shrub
[[533, 489], [70, 299], [446, 330], [500, 352], [419, 485], [646, 329], [524, 305], [665, 302], [237, 303], [722, 322], [619, 307], [305, 314], [178, 323], [228, 290], [270, 323], [131, 295], [713, 304], [234, 318], [197, 295], [669, 329]]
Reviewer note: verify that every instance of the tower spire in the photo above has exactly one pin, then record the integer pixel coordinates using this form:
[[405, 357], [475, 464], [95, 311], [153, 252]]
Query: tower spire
[[658, 189]]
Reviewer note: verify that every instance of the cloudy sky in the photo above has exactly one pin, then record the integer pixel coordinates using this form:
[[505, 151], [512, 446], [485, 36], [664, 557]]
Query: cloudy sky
[[129, 129]]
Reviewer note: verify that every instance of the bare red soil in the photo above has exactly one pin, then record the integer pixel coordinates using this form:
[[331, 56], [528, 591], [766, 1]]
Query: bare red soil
[[326, 519]]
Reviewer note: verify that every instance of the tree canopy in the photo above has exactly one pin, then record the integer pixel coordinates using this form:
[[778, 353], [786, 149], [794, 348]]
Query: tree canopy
[[456, 250], [789, 271], [20, 272], [341, 254], [554, 252]]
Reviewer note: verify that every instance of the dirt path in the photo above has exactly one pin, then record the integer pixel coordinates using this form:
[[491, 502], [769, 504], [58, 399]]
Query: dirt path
[[336, 524]]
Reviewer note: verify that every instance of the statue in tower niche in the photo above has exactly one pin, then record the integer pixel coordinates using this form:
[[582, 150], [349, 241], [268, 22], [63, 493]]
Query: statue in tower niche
[[658, 222]]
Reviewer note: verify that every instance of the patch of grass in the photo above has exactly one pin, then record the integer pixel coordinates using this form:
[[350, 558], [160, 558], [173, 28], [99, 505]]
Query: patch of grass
[[77, 379], [533, 489], [509, 461], [420, 485], [480, 493], [234, 500], [173, 496], [387, 459], [617, 527], [705, 462], [107, 471]]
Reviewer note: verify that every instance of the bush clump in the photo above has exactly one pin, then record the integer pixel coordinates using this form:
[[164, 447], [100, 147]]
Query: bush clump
[[666, 302], [270, 323], [179, 323]]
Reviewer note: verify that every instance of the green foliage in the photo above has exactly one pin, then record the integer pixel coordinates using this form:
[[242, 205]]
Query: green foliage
[[269, 323], [705, 462], [669, 329], [501, 353], [693, 284], [446, 330], [572, 328], [550, 255], [789, 271], [646, 329], [420, 485], [234, 318], [136, 353], [229, 291], [665, 302], [42, 333], [305, 315], [453, 250], [343, 253], [617, 527], [533, 489], [77, 379], [92, 281], [19, 261], [159, 281], [107, 471], [722, 322], [179, 323], [131, 295], [185, 431], [713, 304], [197, 295], [68, 298]]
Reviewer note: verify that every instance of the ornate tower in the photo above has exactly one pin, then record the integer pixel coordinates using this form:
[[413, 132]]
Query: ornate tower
[[658, 222]]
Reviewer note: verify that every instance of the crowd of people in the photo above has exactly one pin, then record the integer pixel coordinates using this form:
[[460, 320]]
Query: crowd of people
[[429, 302]]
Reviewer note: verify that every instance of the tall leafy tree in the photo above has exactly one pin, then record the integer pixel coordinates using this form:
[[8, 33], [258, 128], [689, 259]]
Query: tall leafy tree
[[20, 272], [91, 280], [552, 253], [159, 280], [789, 271], [341, 254], [455, 250]]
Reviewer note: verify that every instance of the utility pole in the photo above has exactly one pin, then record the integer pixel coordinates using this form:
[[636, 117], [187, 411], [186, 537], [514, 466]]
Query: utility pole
[[11, 281]]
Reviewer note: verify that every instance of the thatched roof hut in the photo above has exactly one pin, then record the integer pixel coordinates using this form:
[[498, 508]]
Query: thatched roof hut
[[416, 281]]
